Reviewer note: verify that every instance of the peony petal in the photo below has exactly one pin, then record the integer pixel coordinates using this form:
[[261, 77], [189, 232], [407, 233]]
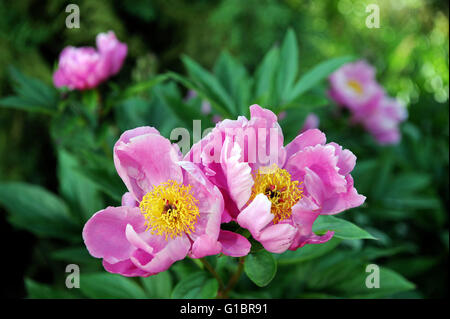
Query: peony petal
[[310, 137], [164, 252], [234, 245], [210, 201], [237, 173], [277, 238], [205, 246], [128, 200], [256, 216], [304, 214], [125, 268], [144, 161], [104, 233]]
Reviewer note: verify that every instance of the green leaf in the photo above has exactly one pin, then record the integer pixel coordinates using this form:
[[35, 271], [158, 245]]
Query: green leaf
[[196, 286], [80, 192], [111, 184], [265, 77], [35, 209], [342, 228], [184, 113], [31, 94], [307, 252], [110, 286], [234, 78], [288, 66], [390, 283], [315, 75], [20, 103], [73, 255], [143, 86], [209, 84], [37, 290], [260, 267], [203, 93], [158, 286]]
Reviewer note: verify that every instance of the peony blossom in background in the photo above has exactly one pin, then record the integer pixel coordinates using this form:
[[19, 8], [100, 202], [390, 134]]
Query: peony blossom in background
[[86, 67], [171, 211], [279, 201], [311, 121], [354, 87]]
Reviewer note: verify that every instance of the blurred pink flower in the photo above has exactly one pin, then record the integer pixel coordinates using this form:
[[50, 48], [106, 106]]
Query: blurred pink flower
[[277, 199], [171, 211], [85, 68], [311, 121], [384, 119], [354, 86], [113, 51]]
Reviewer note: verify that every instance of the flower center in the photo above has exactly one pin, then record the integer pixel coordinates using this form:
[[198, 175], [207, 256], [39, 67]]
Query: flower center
[[355, 86], [170, 209], [278, 187]]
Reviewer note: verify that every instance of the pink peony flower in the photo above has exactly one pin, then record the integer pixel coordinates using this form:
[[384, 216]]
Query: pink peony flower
[[354, 86], [113, 51], [276, 192], [384, 120], [311, 121], [171, 211], [85, 68]]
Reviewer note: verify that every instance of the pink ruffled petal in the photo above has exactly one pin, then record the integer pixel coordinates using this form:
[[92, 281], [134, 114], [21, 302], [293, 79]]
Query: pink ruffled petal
[[210, 202], [238, 174], [145, 160], [310, 137], [233, 244], [321, 160], [336, 203], [104, 233], [304, 213], [153, 253], [346, 159]]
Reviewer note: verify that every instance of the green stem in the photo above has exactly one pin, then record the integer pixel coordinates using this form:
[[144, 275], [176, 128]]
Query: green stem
[[234, 279], [213, 272]]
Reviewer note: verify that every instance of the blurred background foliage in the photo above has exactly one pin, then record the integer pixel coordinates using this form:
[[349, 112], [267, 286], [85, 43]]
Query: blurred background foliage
[[407, 185]]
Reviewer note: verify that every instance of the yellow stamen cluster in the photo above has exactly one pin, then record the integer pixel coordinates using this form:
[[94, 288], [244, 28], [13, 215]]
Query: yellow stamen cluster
[[170, 209], [355, 86], [278, 187]]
